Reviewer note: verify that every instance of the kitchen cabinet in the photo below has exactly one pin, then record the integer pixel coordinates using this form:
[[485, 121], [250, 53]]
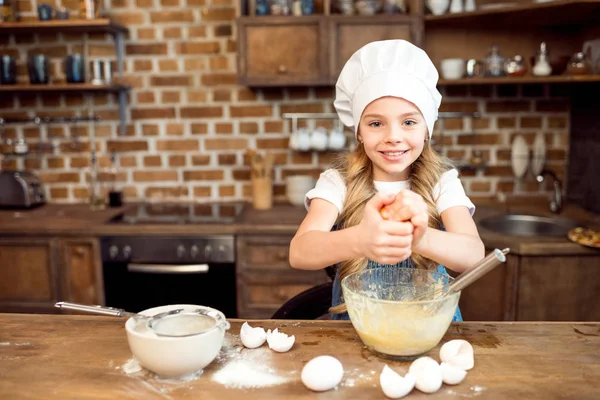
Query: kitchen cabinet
[[81, 271], [536, 288], [282, 51], [348, 34], [310, 50], [28, 274], [37, 272], [265, 279], [563, 24]]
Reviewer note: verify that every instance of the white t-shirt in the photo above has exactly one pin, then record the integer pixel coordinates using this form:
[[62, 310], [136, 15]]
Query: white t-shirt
[[448, 192]]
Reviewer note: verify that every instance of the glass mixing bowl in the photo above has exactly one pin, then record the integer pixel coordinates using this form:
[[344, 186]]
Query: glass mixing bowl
[[387, 321]]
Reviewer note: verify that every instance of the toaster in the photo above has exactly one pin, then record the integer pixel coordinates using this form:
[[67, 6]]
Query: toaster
[[20, 189]]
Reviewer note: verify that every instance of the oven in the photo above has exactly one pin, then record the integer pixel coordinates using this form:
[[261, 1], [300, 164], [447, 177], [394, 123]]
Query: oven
[[141, 272]]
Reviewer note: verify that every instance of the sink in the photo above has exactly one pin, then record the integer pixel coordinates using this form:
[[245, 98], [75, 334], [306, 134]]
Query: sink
[[528, 225]]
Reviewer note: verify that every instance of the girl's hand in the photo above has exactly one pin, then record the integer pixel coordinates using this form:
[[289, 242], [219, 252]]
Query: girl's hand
[[386, 242], [409, 206]]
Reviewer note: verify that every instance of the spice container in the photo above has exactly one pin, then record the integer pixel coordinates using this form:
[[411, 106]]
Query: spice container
[[579, 65], [494, 63], [516, 66]]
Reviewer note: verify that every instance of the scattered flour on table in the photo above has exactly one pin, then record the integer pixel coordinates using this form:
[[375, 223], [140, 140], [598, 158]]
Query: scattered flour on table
[[15, 344], [242, 368], [357, 377], [473, 391]]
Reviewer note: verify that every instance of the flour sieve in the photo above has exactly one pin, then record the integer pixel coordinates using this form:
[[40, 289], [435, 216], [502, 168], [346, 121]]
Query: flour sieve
[[180, 322]]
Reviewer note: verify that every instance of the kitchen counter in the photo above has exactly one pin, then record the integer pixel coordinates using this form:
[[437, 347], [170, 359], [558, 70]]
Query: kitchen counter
[[87, 357], [78, 219]]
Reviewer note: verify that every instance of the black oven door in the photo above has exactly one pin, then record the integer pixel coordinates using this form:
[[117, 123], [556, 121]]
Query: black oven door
[[145, 272], [136, 287]]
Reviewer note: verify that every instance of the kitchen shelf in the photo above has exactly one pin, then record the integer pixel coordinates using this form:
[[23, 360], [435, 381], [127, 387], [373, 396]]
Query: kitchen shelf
[[551, 13], [84, 27], [62, 88], [509, 80], [120, 89], [101, 25]]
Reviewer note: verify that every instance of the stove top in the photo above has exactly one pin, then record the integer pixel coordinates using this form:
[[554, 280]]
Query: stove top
[[180, 213]]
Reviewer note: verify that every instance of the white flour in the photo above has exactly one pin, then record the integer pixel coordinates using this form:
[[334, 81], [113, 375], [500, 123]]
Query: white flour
[[241, 368], [355, 377], [240, 374]]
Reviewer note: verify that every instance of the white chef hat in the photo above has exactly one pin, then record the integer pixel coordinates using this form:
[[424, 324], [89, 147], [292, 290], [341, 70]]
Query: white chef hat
[[387, 68]]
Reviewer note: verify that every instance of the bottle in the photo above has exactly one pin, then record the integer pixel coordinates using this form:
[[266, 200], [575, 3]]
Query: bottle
[[9, 11], [542, 66], [494, 63], [89, 9]]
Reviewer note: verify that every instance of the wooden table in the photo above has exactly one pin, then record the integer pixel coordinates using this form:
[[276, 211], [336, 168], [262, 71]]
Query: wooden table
[[86, 357]]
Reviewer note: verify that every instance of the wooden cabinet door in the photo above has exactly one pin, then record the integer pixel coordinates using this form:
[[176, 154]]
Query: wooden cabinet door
[[81, 272], [265, 279], [348, 34], [493, 296], [28, 275], [559, 288], [278, 51]]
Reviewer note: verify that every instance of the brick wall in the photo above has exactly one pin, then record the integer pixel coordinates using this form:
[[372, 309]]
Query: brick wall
[[190, 124]]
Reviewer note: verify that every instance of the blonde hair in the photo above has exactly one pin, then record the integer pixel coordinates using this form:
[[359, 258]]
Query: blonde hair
[[357, 170]]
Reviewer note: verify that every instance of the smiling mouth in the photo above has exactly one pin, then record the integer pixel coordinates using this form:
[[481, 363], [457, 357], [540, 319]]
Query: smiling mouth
[[393, 153]]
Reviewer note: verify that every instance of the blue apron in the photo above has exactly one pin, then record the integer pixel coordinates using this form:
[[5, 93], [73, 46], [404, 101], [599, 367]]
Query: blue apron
[[337, 287]]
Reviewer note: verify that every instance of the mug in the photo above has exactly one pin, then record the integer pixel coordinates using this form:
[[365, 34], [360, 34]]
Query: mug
[[37, 66], [44, 12], [75, 68], [592, 49], [8, 70]]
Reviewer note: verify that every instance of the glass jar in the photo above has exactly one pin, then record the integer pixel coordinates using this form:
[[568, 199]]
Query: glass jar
[[579, 65], [516, 66], [494, 62], [281, 7]]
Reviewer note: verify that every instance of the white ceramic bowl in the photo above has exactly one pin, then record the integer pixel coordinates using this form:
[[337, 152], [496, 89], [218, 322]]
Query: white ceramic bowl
[[438, 7], [453, 68], [171, 356], [296, 188]]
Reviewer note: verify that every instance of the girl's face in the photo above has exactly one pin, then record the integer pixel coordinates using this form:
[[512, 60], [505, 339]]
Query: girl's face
[[393, 133]]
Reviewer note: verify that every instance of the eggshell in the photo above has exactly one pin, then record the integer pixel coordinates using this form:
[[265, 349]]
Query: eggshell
[[393, 385], [252, 337], [452, 375], [279, 341], [459, 353], [427, 373], [322, 373]]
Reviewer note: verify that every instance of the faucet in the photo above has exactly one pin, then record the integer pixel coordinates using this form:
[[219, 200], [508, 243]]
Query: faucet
[[556, 201]]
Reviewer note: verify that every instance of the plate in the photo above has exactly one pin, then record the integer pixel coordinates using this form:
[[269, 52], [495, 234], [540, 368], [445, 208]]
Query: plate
[[519, 156], [586, 237], [494, 6], [539, 154]]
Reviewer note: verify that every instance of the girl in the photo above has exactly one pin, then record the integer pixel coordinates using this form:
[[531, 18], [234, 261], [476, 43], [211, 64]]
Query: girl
[[393, 202]]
